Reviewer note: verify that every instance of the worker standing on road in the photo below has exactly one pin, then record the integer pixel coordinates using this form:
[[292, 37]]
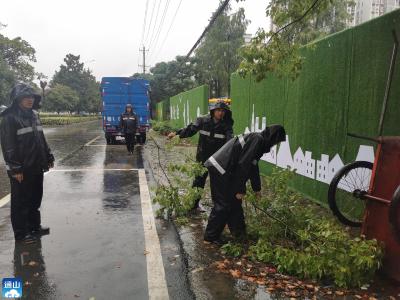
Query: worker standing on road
[[230, 168], [27, 157], [129, 127], [215, 130]]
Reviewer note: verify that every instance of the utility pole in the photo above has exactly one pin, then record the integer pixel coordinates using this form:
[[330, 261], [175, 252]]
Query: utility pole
[[143, 50]]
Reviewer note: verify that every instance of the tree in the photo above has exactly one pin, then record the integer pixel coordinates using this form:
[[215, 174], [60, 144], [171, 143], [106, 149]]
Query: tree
[[91, 97], [146, 76], [60, 98], [217, 56], [18, 54], [7, 79], [74, 75], [171, 78], [299, 22], [70, 74]]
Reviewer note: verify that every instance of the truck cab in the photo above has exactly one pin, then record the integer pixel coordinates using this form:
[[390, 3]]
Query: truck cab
[[116, 93]]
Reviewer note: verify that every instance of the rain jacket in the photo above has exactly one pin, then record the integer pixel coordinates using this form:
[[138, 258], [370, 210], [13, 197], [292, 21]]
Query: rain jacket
[[212, 135], [22, 140], [239, 157], [128, 121]]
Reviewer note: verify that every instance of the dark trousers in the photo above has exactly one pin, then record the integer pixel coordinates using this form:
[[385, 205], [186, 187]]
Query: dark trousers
[[130, 141], [227, 210], [26, 198], [199, 182]]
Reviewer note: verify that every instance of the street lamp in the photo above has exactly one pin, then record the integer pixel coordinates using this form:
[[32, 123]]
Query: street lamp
[[43, 85]]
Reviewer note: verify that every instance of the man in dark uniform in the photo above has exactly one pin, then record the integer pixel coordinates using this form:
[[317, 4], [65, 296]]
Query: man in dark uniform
[[230, 168], [27, 157], [129, 126], [215, 130]]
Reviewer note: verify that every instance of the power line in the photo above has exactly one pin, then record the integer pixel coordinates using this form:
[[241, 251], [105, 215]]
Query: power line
[[169, 29], [155, 41], [161, 24], [219, 11], [155, 22], [158, 24], [151, 20], [144, 22]]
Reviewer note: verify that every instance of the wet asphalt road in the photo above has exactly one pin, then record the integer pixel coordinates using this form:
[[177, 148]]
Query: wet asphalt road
[[97, 248]]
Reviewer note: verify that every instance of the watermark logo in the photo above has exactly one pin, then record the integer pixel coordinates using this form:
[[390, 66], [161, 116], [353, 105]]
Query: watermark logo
[[11, 288]]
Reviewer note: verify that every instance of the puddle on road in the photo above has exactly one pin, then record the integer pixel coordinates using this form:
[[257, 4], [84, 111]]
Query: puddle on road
[[207, 283]]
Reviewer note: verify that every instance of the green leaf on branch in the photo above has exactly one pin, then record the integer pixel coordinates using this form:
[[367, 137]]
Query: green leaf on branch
[[178, 199], [232, 249], [302, 240], [295, 24]]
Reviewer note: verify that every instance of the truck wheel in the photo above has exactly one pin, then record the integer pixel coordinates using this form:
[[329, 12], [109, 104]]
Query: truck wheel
[[143, 138], [345, 195], [108, 140], [394, 214]]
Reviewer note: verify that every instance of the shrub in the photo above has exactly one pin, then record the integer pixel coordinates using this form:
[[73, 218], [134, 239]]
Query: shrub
[[232, 249], [177, 198], [293, 235], [163, 127]]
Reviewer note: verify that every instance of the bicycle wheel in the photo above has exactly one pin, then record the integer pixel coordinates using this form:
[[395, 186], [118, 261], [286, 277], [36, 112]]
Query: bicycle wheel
[[394, 214], [345, 195]]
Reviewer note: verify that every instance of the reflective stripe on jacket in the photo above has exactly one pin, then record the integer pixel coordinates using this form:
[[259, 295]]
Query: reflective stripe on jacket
[[23, 143], [239, 158], [128, 123], [212, 135]]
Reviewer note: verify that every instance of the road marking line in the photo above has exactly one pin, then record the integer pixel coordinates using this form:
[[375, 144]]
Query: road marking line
[[7, 198], [4, 201], [96, 145], [156, 282], [92, 141]]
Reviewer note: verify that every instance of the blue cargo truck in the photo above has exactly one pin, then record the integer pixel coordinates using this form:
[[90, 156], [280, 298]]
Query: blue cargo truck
[[116, 92]]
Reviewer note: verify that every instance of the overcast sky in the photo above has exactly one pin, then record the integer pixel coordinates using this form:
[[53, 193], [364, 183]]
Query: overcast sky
[[108, 34]]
